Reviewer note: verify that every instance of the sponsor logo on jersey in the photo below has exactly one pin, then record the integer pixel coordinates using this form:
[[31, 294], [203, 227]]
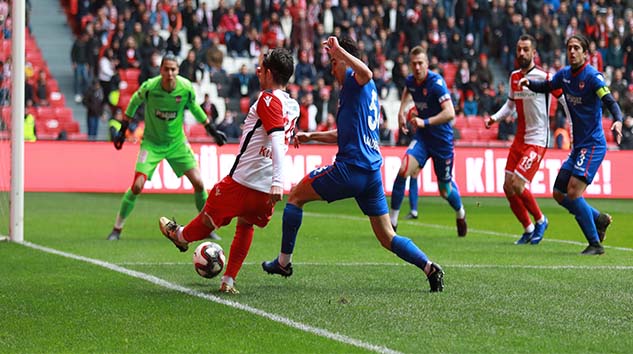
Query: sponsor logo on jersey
[[165, 115], [575, 100], [267, 100]]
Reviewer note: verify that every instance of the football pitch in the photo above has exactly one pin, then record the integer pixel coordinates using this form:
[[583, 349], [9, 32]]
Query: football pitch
[[69, 290]]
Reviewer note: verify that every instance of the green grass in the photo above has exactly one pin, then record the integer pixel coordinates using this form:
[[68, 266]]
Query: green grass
[[499, 297]]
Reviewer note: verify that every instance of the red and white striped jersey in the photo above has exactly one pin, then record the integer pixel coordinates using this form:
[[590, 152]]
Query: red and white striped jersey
[[532, 108], [273, 111]]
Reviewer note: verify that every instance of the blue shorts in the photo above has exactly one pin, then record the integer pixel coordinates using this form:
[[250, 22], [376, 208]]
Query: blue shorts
[[342, 181], [584, 162], [442, 160]]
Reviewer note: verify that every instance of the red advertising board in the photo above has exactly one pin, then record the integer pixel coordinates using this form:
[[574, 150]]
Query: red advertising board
[[97, 167]]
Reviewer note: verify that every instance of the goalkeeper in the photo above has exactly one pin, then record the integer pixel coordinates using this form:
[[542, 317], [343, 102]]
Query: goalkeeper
[[165, 97]]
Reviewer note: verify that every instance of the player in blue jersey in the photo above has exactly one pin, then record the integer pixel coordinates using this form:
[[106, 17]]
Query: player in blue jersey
[[433, 137], [585, 92], [356, 171]]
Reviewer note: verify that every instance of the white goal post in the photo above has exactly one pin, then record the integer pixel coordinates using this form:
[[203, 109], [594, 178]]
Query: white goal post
[[16, 198]]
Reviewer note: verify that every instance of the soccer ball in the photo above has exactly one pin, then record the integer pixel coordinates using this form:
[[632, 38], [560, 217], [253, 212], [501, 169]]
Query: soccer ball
[[209, 259]]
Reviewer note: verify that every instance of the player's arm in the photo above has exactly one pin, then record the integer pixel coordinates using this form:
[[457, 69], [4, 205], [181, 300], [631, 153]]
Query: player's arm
[[446, 114], [507, 109], [137, 99], [612, 105], [362, 73], [328, 137], [545, 86], [270, 111], [201, 117], [405, 101]]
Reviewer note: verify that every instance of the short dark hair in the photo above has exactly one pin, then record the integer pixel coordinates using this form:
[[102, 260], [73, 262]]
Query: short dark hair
[[584, 43], [281, 64], [350, 46], [527, 37], [169, 57]]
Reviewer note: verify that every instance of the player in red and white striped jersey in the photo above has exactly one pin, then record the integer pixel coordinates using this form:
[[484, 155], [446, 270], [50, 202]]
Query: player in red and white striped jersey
[[530, 142], [255, 182]]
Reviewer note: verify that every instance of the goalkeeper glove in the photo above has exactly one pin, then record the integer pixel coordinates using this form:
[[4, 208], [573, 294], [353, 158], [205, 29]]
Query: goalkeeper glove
[[219, 136], [119, 139]]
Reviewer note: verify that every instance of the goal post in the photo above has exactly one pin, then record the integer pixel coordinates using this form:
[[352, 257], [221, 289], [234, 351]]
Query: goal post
[[16, 191]]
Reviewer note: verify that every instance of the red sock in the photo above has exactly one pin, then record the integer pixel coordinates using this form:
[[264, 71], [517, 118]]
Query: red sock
[[531, 205], [239, 249], [196, 229], [519, 210]]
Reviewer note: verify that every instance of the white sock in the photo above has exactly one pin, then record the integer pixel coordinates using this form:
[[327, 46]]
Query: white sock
[[461, 213], [284, 259], [529, 228], [227, 280], [181, 238], [119, 222], [427, 267], [414, 212], [541, 220], [393, 215]]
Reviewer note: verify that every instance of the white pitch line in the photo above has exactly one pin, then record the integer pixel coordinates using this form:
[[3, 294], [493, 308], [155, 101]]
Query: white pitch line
[[388, 264], [171, 286], [444, 227]]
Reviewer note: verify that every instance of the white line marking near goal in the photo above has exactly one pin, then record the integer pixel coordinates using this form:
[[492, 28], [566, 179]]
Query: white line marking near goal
[[403, 264], [171, 286], [444, 227]]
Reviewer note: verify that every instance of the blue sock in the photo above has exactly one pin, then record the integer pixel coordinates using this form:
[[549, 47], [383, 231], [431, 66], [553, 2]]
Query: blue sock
[[404, 248], [453, 197], [413, 193], [291, 224], [584, 216], [594, 212], [567, 204], [397, 194]]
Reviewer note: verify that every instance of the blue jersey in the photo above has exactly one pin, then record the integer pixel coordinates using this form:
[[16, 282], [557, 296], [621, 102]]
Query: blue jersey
[[357, 124], [428, 97], [583, 92]]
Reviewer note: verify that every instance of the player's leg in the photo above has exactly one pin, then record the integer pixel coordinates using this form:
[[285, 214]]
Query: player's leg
[[373, 203], [518, 209], [301, 194], [413, 197], [240, 246], [443, 167], [524, 172], [573, 178], [412, 161], [127, 205]]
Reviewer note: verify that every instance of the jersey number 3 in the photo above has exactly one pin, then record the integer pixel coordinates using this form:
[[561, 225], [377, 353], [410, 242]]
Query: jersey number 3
[[372, 120]]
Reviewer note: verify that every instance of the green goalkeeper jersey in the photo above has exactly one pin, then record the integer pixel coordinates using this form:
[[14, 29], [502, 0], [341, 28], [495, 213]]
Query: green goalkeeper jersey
[[164, 111]]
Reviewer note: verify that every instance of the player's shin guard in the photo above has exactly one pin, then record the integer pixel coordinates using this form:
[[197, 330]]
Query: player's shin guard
[[413, 193], [127, 204], [397, 193], [453, 197], [404, 248], [196, 230], [530, 204], [293, 215], [519, 210], [201, 199], [239, 249], [584, 216]]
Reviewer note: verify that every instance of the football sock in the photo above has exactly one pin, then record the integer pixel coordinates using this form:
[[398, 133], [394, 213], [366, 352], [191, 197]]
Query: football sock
[[453, 197], [519, 210], [584, 216], [127, 204], [413, 194], [239, 249], [530, 204], [201, 199], [292, 218], [393, 216], [595, 212], [196, 229], [228, 280], [397, 193], [529, 228], [404, 248]]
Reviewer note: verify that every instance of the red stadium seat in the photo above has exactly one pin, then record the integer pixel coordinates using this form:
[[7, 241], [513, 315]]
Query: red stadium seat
[[244, 104]]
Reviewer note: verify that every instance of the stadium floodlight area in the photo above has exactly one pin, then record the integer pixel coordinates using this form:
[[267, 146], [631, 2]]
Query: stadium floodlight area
[[12, 159]]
